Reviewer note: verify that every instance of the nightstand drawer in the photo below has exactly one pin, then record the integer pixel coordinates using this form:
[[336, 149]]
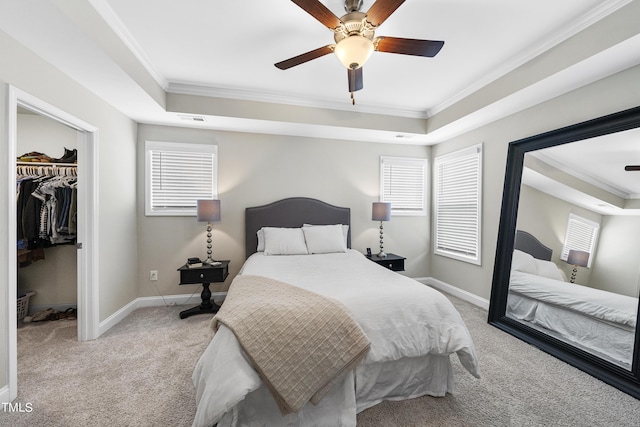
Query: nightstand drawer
[[395, 265], [208, 274]]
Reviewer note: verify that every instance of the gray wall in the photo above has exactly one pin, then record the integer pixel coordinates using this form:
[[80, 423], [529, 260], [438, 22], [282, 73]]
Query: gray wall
[[116, 205], [256, 169], [546, 217], [616, 266], [615, 93], [616, 259]]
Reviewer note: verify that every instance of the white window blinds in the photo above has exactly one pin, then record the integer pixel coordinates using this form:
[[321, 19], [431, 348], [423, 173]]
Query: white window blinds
[[402, 183], [177, 175], [457, 204], [581, 235]]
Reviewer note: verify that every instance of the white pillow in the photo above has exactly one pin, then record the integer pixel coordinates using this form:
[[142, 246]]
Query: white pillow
[[523, 262], [284, 241], [260, 234], [345, 231], [548, 269], [324, 239]]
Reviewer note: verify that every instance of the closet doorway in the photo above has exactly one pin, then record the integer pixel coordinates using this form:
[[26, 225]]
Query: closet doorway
[[87, 234]]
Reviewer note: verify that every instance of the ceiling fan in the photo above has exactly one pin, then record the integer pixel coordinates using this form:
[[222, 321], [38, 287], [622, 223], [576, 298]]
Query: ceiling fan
[[354, 37], [632, 168]]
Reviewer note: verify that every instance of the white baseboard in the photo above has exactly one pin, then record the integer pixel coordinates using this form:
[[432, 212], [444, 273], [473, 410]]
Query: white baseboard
[[156, 301], [456, 292], [4, 394]]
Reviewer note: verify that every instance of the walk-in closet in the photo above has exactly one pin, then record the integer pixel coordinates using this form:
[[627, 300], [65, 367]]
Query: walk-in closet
[[46, 220]]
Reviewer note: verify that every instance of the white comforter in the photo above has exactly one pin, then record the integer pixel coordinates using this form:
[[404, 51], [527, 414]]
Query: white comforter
[[403, 319], [603, 305]]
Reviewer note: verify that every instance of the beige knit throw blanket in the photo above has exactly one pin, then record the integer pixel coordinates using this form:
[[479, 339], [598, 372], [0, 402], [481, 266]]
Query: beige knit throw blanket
[[301, 343]]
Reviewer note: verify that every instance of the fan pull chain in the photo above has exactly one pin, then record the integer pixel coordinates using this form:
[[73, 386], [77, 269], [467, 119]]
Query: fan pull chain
[[353, 99]]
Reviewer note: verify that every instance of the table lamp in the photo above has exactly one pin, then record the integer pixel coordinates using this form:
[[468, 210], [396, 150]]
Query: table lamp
[[381, 211], [208, 211]]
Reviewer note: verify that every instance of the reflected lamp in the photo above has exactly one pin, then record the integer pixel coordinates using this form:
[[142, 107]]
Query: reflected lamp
[[577, 259]]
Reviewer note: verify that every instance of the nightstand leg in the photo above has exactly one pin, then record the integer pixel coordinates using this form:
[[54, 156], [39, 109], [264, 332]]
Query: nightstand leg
[[206, 306]]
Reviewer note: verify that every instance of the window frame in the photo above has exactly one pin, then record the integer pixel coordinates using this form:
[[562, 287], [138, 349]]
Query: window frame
[[205, 149], [451, 251], [404, 210]]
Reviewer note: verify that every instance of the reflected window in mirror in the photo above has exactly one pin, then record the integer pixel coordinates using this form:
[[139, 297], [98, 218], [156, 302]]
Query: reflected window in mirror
[[581, 236]]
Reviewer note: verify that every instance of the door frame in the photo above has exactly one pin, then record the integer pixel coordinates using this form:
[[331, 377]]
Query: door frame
[[87, 231]]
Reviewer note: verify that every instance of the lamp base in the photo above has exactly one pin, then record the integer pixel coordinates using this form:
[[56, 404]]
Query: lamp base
[[381, 254]]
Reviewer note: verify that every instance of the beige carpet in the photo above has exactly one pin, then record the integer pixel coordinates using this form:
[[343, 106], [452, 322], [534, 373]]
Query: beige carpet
[[139, 374]]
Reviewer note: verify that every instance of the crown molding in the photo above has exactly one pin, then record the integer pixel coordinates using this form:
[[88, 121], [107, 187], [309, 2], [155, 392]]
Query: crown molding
[[257, 96], [117, 26]]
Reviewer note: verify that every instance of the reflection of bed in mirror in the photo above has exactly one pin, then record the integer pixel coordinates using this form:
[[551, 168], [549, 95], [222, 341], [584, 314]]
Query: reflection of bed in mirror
[[600, 322]]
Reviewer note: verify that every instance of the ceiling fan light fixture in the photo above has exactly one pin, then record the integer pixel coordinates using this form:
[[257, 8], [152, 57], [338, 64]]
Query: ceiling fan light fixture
[[353, 51]]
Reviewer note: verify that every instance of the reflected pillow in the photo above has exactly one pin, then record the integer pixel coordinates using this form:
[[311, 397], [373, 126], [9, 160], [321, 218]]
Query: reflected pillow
[[548, 269], [523, 262], [284, 241], [324, 239]]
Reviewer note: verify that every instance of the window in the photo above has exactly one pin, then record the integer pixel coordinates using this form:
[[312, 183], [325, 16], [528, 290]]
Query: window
[[457, 204], [402, 183], [177, 175], [581, 235]]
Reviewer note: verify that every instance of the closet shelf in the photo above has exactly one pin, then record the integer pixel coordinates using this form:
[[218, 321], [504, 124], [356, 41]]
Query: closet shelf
[[46, 164]]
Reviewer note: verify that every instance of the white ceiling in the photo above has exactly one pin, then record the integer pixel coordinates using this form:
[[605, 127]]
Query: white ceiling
[[135, 53], [233, 45], [227, 49]]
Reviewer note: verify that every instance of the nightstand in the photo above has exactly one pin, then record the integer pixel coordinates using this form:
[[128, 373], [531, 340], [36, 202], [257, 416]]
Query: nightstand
[[391, 261], [206, 275]]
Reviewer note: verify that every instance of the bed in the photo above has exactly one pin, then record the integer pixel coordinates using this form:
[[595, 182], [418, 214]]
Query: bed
[[411, 329], [593, 320]]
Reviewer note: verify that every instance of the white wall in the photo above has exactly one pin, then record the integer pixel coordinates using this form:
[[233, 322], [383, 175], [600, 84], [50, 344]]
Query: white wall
[[116, 205], [256, 169]]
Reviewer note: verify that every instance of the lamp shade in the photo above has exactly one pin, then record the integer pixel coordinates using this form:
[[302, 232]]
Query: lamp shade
[[579, 258], [353, 51], [381, 211], [208, 210]]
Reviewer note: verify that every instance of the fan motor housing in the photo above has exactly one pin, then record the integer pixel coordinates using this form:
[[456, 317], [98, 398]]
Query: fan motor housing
[[354, 23]]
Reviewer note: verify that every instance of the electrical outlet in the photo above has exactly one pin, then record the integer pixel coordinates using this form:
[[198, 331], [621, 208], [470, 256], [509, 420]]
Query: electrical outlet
[[153, 275]]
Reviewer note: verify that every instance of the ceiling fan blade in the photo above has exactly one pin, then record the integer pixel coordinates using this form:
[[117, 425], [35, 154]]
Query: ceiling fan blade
[[381, 10], [415, 47], [355, 79], [632, 168], [305, 57], [320, 12]]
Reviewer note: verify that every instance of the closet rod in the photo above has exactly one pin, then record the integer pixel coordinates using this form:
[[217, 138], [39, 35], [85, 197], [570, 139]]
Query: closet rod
[[46, 169]]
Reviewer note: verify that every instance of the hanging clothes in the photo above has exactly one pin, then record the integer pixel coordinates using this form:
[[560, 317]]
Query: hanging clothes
[[46, 205]]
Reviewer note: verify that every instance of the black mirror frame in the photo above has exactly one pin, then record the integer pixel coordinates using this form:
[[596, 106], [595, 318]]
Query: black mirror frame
[[625, 380]]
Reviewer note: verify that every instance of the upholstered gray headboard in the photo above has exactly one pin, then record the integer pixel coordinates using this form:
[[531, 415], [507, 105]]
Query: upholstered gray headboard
[[292, 212], [525, 242]]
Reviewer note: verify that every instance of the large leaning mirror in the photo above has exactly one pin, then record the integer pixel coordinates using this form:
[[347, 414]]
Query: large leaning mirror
[[567, 269]]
